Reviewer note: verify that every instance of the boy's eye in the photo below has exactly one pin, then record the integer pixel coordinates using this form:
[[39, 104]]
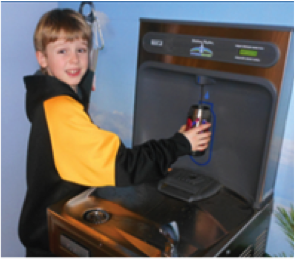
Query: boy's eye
[[82, 50], [61, 51]]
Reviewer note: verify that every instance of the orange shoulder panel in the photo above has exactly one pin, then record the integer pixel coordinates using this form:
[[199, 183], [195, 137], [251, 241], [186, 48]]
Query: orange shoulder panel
[[83, 153]]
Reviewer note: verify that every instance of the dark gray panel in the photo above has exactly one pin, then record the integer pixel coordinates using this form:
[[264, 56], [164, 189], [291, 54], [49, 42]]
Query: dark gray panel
[[243, 108]]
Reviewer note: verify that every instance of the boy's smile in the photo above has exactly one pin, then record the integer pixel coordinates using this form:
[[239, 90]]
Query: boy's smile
[[65, 60]]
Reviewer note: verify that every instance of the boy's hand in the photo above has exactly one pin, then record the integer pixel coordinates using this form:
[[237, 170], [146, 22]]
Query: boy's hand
[[197, 137]]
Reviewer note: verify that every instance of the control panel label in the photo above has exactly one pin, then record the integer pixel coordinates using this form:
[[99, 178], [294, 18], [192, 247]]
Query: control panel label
[[201, 49], [246, 52]]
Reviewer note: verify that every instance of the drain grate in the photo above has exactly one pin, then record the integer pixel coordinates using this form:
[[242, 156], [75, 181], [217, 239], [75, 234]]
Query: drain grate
[[96, 216], [247, 252], [260, 244]]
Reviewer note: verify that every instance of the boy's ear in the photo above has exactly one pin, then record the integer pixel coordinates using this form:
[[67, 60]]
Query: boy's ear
[[42, 60]]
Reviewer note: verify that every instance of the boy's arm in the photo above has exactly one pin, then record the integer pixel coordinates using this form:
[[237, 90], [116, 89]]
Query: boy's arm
[[149, 161], [90, 156]]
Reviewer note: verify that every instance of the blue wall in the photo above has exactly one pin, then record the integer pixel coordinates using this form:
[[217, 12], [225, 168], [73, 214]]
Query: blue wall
[[113, 101], [18, 21]]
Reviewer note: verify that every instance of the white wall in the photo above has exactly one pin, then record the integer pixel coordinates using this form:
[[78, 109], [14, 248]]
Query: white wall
[[18, 21]]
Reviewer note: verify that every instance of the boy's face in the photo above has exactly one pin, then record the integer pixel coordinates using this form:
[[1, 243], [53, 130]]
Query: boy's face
[[65, 60]]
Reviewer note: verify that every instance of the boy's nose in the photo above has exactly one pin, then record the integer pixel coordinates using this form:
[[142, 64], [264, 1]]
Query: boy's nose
[[74, 57]]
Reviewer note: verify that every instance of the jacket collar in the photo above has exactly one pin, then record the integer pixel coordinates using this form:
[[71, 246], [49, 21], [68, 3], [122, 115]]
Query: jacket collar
[[42, 87]]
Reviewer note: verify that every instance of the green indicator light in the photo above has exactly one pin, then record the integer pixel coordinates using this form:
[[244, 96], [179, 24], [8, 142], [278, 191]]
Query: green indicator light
[[248, 52]]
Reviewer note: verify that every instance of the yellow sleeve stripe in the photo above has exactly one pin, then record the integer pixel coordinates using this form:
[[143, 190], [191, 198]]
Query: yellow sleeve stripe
[[83, 153]]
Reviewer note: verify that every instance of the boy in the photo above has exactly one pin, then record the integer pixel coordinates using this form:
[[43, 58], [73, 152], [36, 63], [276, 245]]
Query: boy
[[67, 153]]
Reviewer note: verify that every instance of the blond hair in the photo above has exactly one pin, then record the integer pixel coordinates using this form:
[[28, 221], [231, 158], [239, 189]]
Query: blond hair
[[67, 22]]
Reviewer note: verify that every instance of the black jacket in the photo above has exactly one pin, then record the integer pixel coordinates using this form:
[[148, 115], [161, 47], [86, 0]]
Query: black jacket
[[67, 153]]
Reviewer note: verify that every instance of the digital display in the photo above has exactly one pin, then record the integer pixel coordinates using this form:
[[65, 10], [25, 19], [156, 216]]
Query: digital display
[[248, 52]]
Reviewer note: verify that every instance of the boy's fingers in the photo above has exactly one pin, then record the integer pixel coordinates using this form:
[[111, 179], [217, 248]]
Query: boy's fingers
[[202, 128], [203, 142], [204, 135], [205, 126]]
